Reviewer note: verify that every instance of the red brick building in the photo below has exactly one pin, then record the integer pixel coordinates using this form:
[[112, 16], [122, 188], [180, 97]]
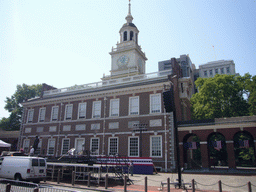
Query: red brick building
[[220, 142], [100, 117]]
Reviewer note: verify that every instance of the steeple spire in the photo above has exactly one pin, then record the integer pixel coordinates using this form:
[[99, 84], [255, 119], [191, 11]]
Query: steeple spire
[[129, 17]]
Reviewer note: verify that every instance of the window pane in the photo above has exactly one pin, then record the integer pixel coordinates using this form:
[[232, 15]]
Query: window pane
[[55, 111], [134, 147], [96, 109], [95, 146], [69, 111], [30, 115], [41, 115], [82, 110], [65, 146], [51, 146], [156, 150], [113, 146], [134, 105], [114, 107], [155, 103]]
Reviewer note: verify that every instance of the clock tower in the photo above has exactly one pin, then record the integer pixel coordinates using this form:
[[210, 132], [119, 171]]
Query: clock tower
[[127, 58]]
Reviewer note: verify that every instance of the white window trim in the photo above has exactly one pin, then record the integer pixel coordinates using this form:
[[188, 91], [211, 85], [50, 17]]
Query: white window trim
[[129, 155], [49, 146], [30, 110], [138, 105], [78, 113], [93, 109], [57, 113], [66, 111], [110, 108], [98, 144], [63, 143], [76, 142], [25, 140], [116, 146], [160, 106], [39, 115], [161, 140]]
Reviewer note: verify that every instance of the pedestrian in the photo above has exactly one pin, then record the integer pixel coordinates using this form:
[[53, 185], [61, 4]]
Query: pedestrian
[[36, 142], [31, 152], [131, 168]]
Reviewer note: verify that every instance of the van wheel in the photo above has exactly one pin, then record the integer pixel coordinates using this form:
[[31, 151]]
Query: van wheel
[[17, 177]]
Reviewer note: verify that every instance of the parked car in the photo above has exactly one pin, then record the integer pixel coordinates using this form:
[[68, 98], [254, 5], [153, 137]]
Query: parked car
[[23, 168]]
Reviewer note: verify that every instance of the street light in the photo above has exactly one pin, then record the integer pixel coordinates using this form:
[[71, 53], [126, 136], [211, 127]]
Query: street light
[[168, 97]]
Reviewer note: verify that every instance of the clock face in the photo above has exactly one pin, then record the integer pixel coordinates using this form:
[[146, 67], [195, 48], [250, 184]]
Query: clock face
[[122, 61]]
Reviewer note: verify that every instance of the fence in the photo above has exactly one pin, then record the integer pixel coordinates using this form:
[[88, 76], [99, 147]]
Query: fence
[[22, 186], [194, 185]]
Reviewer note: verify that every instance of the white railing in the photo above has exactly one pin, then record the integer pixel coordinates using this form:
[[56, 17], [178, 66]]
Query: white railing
[[110, 82]]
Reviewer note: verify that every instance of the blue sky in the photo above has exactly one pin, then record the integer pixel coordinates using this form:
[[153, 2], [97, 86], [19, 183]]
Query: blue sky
[[67, 42]]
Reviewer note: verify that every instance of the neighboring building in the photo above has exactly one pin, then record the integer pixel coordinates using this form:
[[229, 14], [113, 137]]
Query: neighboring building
[[101, 117], [221, 67], [221, 142], [184, 62]]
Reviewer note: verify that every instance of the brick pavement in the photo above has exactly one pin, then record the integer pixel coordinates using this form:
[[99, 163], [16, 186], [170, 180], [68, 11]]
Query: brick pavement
[[206, 183]]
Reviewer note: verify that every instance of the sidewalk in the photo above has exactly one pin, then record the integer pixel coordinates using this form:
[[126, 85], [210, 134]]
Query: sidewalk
[[205, 183]]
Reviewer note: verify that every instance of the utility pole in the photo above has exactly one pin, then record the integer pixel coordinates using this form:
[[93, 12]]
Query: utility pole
[[140, 127], [169, 103]]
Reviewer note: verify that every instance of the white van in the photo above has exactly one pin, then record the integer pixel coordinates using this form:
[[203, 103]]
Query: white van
[[23, 168]]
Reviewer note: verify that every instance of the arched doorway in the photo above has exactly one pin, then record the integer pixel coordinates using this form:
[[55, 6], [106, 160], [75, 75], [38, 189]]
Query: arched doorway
[[192, 152], [217, 150], [244, 149]]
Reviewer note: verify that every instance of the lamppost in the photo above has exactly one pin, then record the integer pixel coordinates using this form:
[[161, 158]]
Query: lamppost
[[140, 127], [168, 97]]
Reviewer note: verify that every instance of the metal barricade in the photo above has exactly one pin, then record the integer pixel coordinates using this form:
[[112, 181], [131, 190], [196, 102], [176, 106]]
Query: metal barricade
[[17, 186]]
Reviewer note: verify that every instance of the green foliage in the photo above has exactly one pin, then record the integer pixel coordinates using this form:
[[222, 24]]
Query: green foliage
[[219, 157], [224, 96], [244, 156], [13, 105]]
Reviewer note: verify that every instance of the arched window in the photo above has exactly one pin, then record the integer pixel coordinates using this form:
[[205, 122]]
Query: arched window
[[125, 36], [191, 152], [217, 149], [131, 35], [244, 149]]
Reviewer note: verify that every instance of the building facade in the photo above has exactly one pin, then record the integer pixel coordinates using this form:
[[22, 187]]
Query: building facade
[[221, 142], [221, 67], [103, 117]]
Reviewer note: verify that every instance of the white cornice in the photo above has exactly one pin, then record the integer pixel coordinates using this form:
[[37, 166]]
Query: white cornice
[[96, 95]]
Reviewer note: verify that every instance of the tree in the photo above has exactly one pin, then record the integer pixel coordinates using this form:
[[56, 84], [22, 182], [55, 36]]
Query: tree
[[224, 96], [13, 105]]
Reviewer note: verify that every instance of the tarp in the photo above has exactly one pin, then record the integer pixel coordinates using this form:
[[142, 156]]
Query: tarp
[[3, 144]]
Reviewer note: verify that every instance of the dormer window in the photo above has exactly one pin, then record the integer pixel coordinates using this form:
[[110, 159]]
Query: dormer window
[[125, 36], [131, 35]]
